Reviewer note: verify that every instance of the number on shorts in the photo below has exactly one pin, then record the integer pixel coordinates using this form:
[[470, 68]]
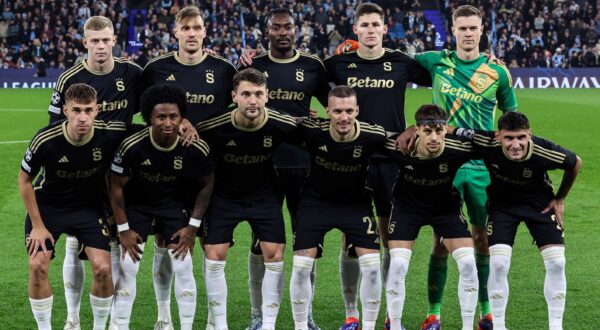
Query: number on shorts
[[370, 230]]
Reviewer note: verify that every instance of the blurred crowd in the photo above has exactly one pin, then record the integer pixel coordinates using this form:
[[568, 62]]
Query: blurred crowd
[[539, 33]]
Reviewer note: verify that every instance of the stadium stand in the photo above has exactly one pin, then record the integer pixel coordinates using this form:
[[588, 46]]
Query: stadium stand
[[48, 34]]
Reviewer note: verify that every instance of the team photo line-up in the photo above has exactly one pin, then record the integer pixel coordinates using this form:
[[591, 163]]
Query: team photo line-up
[[212, 154]]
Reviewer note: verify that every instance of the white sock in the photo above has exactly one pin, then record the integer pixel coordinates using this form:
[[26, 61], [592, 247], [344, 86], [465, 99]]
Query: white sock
[[271, 293], [126, 289], [395, 289], [185, 289], [313, 284], [468, 284], [115, 255], [300, 290], [385, 264], [42, 312], [498, 290], [73, 278], [162, 277], [370, 289], [555, 284], [216, 292], [349, 275], [256, 273], [100, 310]]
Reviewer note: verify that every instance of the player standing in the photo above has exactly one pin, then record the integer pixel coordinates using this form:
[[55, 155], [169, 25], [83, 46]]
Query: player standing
[[207, 82], [424, 195], [243, 142], [148, 172], [335, 196], [520, 190], [379, 77], [69, 198], [293, 78], [469, 89]]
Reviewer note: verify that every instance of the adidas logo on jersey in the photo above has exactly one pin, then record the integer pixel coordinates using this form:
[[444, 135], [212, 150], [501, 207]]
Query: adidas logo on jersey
[[352, 66], [146, 162], [64, 159], [231, 144], [409, 167], [450, 72], [323, 147], [171, 78]]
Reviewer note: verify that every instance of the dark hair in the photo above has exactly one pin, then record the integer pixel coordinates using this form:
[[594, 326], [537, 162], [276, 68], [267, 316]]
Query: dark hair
[[513, 121], [465, 11], [279, 11], [341, 91], [82, 93], [250, 75], [159, 94], [369, 8], [430, 115]]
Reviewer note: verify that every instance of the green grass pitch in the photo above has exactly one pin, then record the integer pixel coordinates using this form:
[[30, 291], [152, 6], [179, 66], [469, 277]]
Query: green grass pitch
[[567, 116]]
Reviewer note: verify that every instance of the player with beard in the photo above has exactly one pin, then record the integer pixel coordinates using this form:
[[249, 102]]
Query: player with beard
[[293, 78]]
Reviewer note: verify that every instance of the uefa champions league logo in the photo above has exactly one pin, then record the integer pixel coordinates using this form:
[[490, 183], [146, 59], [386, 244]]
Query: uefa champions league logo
[[55, 98]]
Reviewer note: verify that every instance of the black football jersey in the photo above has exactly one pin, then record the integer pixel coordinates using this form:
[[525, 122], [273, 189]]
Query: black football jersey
[[207, 85], [338, 170], [426, 185], [380, 84], [244, 166], [118, 90], [72, 173], [292, 83], [525, 180], [157, 175]]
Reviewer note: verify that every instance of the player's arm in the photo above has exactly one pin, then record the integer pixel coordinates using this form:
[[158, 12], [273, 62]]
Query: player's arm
[[128, 238], [558, 203], [39, 234], [188, 234], [507, 100], [55, 109], [187, 132], [406, 139], [419, 68]]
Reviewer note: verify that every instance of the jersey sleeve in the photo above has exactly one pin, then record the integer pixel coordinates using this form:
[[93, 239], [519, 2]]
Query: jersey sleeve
[[322, 88], [55, 109], [121, 164], [426, 59], [507, 100], [557, 156], [391, 151], [418, 73], [203, 163], [32, 161]]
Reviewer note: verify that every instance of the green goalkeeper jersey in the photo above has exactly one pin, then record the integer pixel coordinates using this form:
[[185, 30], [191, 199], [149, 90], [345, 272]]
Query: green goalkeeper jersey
[[469, 91]]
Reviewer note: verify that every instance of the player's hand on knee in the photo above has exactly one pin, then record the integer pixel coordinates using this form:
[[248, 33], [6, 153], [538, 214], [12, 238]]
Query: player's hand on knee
[[129, 240], [406, 140], [558, 207], [187, 236], [187, 132], [246, 58], [37, 238]]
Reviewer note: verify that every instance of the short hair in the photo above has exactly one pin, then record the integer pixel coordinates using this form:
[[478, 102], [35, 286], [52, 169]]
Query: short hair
[[81, 93], [98, 23], [513, 121], [250, 75], [465, 11], [187, 13], [341, 91], [159, 94], [369, 8], [279, 11], [430, 115]]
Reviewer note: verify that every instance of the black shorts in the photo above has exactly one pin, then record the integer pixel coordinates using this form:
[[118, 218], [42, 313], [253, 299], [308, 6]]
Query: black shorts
[[166, 222], [316, 218], [380, 180], [262, 213], [405, 223], [88, 224], [504, 220], [289, 183]]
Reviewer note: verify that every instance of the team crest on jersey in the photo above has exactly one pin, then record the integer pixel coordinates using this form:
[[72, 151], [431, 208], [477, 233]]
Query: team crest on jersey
[[178, 163], [120, 84], [299, 75], [55, 98], [527, 172], [357, 152], [443, 167], [210, 76], [118, 158], [97, 154], [267, 141], [28, 154], [387, 66]]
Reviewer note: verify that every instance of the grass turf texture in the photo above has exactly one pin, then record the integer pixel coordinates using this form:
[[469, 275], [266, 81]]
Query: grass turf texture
[[566, 116]]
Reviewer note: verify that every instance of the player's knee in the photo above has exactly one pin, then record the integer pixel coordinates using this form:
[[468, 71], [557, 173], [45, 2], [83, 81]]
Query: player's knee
[[38, 270], [500, 255], [554, 260], [102, 273], [465, 261]]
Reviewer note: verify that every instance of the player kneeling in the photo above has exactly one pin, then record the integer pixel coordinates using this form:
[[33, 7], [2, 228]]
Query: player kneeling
[[148, 172], [424, 195]]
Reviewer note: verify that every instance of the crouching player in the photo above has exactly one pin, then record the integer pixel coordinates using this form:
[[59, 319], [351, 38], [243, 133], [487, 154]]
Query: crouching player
[[69, 198], [148, 172], [423, 195], [334, 196], [521, 190]]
